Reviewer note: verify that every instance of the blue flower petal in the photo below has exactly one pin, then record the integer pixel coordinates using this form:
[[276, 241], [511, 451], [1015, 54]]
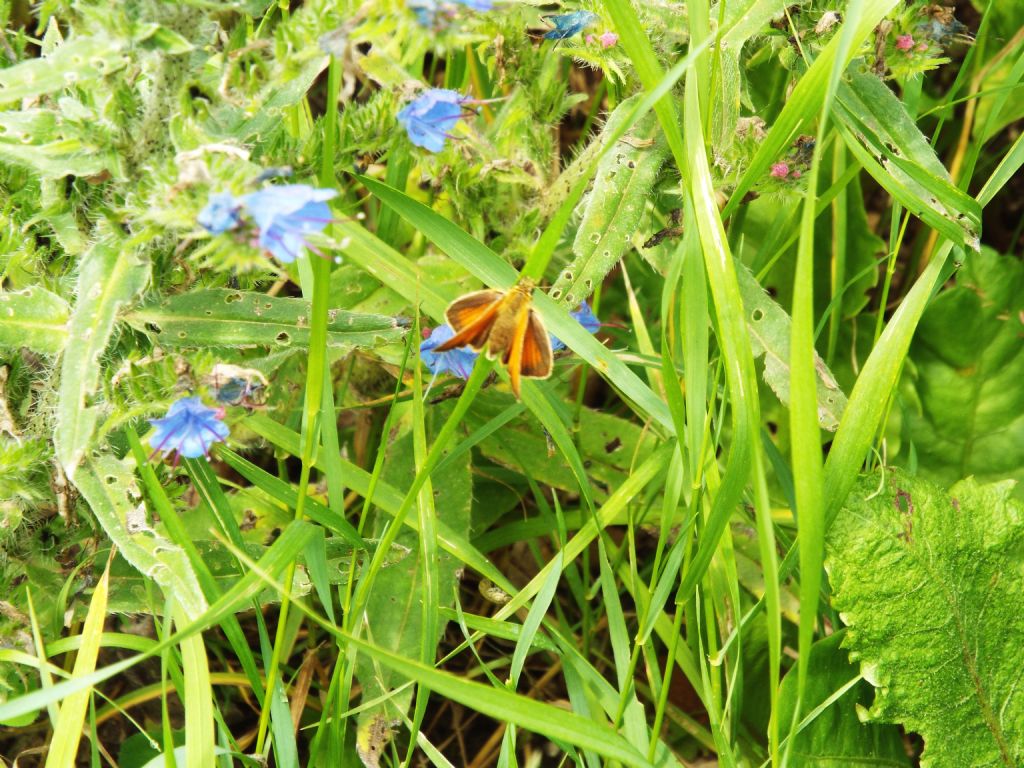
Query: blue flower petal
[[220, 214], [429, 117], [286, 214], [459, 362], [189, 429], [585, 316]]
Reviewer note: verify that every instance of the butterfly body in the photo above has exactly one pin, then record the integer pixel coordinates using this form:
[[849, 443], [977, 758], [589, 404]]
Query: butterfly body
[[502, 324]]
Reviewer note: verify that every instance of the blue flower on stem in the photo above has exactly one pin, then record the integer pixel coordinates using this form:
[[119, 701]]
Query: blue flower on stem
[[188, 429], [459, 362], [221, 213], [285, 215], [430, 116], [586, 317], [570, 24]]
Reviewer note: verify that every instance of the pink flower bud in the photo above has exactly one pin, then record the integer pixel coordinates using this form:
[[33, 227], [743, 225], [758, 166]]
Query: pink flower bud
[[904, 42], [780, 170], [608, 39]]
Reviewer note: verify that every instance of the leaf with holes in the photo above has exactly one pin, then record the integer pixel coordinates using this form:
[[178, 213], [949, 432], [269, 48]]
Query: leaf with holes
[[968, 358], [224, 318], [613, 209], [886, 140], [108, 279], [33, 318], [929, 585], [108, 485], [768, 325], [72, 63]]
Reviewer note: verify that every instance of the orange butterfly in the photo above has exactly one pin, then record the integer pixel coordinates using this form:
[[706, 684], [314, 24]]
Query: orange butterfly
[[507, 325]]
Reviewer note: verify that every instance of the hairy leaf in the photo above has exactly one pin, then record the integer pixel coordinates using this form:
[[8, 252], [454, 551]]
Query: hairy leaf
[[929, 585], [613, 211], [33, 318], [74, 62], [108, 485], [969, 356], [108, 279], [224, 318]]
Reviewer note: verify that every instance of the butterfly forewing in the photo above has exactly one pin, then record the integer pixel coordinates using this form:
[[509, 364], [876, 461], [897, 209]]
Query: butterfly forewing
[[467, 310], [472, 316]]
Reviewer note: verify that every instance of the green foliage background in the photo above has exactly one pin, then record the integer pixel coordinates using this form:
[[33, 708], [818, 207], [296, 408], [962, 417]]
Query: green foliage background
[[766, 516]]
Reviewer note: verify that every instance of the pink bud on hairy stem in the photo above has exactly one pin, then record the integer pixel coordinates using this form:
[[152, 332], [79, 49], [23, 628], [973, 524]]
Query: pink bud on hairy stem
[[780, 170], [904, 42]]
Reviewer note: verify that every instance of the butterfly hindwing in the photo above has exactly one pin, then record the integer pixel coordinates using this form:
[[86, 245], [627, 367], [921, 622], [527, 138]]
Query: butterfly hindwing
[[536, 355]]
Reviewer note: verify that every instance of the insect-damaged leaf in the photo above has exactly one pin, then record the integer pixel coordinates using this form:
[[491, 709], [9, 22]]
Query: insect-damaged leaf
[[884, 138], [768, 325], [225, 318], [613, 210]]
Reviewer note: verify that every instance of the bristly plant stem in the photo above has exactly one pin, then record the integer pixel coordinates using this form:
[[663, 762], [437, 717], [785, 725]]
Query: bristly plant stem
[[313, 401]]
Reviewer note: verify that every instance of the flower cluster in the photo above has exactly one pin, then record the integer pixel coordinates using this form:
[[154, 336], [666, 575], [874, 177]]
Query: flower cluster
[[283, 217], [189, 429], [459, 362]]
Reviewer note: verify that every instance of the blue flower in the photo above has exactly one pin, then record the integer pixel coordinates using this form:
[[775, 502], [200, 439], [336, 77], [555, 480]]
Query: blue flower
[[459, 362], [220, 214], [430, 116], [285, 215], [188, 429], [586, 317], [570, 24]]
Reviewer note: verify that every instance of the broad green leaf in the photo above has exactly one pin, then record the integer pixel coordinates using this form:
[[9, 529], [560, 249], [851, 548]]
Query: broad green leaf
[[219, 317], [109, 487], [929, 584], [902, 160], [67, 731], [769, 328], [394, 610], [33, 318], [836, 736], [613, 208], [969, 359], [57, 159], [72, 63], [108, 279]]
